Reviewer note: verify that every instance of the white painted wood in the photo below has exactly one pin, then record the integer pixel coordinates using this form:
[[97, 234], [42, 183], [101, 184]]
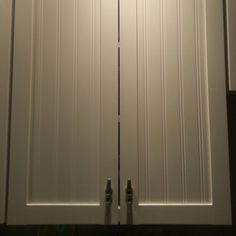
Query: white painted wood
[[5, 54], [64, 120], [231, 31], [173, 112]]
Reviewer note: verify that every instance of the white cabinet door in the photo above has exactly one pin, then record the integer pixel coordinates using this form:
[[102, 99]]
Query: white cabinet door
[[5, 54], [231, 35], [64, 112], [173, 112]]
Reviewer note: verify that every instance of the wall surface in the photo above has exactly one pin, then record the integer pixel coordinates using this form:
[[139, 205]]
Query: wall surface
[[5, 54], [231, 35], [232, 150]]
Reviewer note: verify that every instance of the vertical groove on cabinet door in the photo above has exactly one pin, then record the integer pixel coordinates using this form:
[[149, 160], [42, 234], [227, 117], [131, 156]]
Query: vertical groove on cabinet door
[[37, 101], [57, 102], [163, 95], [143, 178], [98, 54], [32, 75], [146, 103], [181, 103], [199, 105], [99, 48], [94, 105], [96, 99], [91, 79], [74, 102]]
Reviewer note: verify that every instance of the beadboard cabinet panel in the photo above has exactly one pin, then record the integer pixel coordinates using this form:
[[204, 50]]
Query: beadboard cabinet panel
[[173, 112], [231, 35], [5, 64], [64, 126]]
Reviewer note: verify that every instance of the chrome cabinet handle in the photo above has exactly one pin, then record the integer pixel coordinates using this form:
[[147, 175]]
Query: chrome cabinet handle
[[108, 192], [129, 192], [129, 201], [108, 201]]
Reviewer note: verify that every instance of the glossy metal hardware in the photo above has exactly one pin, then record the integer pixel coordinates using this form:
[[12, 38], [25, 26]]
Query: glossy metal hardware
[[108, 201], [129, 192], [108, 193], [129, 201]]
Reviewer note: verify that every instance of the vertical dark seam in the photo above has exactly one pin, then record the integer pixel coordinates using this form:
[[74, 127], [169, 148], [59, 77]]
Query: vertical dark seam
[[10, 104]]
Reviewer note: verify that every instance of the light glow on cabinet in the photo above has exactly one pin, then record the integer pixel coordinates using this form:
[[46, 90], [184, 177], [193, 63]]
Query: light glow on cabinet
[[175, 204], [62, 204]]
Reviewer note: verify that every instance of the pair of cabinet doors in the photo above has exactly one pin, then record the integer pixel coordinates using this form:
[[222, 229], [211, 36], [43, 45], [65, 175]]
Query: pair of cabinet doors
[[128, 89]]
